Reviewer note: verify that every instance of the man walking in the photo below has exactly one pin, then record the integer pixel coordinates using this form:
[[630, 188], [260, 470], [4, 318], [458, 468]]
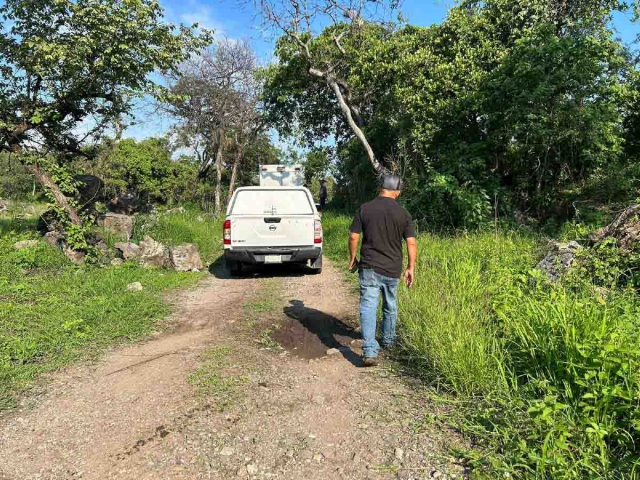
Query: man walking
[[384, 224]]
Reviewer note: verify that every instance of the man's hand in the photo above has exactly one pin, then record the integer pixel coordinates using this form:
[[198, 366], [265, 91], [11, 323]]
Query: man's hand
[[412, 251], [352, 263], [409, 277], [353, 249]]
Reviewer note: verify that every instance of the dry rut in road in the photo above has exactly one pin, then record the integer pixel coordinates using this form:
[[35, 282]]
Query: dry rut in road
[[240, 387]]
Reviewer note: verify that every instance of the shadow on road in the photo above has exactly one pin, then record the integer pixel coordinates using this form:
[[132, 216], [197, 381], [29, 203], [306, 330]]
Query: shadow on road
[[219, 270], [311, 332]]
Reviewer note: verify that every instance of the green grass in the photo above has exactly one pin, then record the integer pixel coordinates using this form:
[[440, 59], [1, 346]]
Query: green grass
[[52, 312], [213, 379], [544, 378], [192, 226]]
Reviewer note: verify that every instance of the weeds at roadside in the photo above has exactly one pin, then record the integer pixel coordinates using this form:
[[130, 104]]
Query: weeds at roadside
[[265, 338], [53, 313], [214, 380], [543, 378]]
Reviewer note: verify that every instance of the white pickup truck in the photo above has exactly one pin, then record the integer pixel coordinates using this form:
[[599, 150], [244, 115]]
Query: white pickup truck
[[272, 225]]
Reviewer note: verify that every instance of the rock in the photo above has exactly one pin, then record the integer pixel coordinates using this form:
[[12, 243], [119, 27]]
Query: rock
[[75, 256], [117, 223], [559, 260], [436, 474], [242, 472], [116, 261], [185, 258], [25, 244], [4, 205], [227, 451], [318, 457], [135, 287], [129, 251], [152, 253], [200, 218], [333, 351], [252, 469], [625, 229], [399, 453], [55, 239], [357, 343]]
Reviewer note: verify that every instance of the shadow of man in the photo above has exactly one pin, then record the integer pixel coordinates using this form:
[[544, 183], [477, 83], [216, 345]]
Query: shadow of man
[[326, 327]]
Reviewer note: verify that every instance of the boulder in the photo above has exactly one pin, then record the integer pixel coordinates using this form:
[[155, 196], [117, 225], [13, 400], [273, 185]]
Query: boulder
[[55, 239], [128, 250], [559, 259], [625, 229], [25, 244], [117, 224], [185, 258], [152, 253], [75, 256]]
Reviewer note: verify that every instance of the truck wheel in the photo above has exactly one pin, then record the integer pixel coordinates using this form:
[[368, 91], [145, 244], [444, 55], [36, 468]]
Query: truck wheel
[[316, 266]]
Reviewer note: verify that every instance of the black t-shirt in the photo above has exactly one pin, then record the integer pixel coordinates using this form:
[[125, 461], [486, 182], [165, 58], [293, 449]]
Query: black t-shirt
[[323, 191], [384, 224]]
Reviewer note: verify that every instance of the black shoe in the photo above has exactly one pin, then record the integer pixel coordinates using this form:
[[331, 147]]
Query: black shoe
[[370, 362]]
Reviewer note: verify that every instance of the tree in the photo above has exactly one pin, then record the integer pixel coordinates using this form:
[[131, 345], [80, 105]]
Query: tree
[[325, 57], [67, 63], [214, 98], [145, 169]]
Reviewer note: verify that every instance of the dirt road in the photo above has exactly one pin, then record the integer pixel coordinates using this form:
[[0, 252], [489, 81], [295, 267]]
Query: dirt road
[[240, 386]]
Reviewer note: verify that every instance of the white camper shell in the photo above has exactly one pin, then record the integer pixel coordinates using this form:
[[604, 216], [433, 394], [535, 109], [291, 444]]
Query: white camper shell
[[281, 176]]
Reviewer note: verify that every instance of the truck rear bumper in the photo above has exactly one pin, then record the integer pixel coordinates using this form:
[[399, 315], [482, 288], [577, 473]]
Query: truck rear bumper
[[254, 255]]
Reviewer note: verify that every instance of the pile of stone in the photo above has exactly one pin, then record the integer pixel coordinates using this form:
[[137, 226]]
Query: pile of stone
[[625, 230], [149, 253]]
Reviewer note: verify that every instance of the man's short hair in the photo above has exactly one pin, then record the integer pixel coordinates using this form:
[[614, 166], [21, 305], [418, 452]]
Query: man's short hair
[[391, 182]]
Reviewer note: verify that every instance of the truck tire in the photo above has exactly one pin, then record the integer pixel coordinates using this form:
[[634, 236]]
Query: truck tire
[[316, 266]]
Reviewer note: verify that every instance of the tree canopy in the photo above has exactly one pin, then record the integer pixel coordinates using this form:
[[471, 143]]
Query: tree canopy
[[503, 106]]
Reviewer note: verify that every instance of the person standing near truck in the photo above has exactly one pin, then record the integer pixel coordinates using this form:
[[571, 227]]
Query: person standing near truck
[[323, 194], [383, 224]]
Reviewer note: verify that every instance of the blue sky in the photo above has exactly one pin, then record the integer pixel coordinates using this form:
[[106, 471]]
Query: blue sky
[[231, 18]]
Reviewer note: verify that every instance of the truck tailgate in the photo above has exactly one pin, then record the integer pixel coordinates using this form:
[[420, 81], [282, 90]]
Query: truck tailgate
[[277, 231]]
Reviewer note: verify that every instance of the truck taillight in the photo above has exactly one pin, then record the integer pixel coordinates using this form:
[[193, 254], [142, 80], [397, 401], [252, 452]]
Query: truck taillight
[[226, 232], [317, 232]]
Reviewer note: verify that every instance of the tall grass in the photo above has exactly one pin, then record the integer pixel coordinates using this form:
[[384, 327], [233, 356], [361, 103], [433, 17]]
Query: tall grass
[[546, 377]]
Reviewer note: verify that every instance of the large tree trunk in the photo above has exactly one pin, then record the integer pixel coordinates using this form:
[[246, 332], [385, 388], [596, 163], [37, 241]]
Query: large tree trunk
[[234, 171], [47, 182], [218, 194], [348, 113]]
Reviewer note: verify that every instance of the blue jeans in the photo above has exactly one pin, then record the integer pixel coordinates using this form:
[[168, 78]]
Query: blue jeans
[[371, 285]]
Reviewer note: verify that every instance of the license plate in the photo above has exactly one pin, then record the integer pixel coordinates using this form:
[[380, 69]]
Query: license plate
[[273, 259]]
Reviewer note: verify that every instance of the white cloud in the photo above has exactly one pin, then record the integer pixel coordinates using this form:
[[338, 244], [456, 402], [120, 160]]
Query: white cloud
[[201, 14]]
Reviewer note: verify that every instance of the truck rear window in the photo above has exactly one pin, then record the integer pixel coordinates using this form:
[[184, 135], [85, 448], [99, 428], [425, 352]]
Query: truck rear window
[[271, 202]]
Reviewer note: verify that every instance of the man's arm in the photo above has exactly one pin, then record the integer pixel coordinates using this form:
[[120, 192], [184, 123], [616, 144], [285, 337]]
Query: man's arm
[[412, 250], [354, 238]]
